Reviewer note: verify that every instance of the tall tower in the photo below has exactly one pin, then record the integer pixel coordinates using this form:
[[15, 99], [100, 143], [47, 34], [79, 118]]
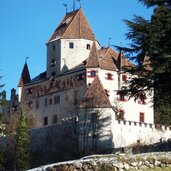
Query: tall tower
[[70, 43]]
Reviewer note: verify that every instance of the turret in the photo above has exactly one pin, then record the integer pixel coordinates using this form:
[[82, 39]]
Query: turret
[[24, 79]]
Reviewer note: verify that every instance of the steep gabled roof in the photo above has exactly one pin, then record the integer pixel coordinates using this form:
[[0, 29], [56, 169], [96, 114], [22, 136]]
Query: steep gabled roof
[[96, 95], [73, 26], [25, 76], [93, 60], [108, 58]]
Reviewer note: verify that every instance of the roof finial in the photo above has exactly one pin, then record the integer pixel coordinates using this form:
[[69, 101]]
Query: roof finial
[[66, 6], [26, 59], [73, 5], [109, 41]]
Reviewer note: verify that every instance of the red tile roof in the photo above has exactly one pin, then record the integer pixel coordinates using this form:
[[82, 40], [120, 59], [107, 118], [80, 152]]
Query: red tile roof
[[73, 26], [108, 58], [25, 76], [96, 95]]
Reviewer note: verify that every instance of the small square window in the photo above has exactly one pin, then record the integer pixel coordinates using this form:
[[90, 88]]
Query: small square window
[[53, 74], [53, 62], [88, 46], [109, 76], [71, 45], [45, 120]]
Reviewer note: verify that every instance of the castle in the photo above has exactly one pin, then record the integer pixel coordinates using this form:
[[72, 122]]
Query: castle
[[80, 74]]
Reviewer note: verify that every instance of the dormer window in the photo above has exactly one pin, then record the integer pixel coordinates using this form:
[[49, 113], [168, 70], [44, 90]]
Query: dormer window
[[88, 46], [53, 62], [71, 45], [109, 76]]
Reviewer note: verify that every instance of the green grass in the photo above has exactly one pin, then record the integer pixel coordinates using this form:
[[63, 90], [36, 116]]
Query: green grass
[[159, 169]]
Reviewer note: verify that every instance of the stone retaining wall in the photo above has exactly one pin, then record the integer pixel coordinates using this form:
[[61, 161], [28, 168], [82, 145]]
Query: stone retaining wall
[[120, 162]]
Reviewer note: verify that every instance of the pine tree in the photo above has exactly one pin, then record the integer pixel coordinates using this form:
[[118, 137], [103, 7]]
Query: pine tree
[[152, 38], [22, 142]]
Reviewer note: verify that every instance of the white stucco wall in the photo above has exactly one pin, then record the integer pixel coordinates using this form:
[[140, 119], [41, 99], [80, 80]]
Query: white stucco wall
[[131, 107]]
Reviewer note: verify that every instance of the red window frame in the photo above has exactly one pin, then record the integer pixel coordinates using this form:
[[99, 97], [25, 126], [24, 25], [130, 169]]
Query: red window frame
[[124, 77], [141, 117], [122, 97], [109, 76]]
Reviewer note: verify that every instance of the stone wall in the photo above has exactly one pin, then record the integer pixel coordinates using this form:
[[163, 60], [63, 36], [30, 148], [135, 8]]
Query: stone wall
[[112, 162]]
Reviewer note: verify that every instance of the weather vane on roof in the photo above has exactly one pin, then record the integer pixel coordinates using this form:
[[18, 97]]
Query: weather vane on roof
[[26, 59], [74, 4], [66, 6], [109, 41]]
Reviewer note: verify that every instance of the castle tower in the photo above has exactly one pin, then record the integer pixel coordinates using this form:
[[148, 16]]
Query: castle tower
[[70, 44]]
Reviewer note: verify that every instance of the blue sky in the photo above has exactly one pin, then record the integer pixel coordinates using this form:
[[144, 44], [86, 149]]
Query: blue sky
[[26, 26]]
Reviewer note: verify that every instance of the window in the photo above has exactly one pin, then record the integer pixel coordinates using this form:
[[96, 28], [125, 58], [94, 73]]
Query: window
[[71, 45], [141, 117], [91, 73], [54, 119], [30, 104], [88, 46], [46, 102], [80, 77], [29, 91], [122, 97], [53, 74], [109, 76], [94, 117], [45, 121], [121, 114], [124, 78], [50, 101], [53, 62], [141, 99], [37, 104], [56, 99], [53, 47]]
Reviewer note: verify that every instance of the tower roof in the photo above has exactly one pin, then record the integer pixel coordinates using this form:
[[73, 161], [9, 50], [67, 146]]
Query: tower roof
[[96, 95], [74, 25], [93, 60], [25, 76]]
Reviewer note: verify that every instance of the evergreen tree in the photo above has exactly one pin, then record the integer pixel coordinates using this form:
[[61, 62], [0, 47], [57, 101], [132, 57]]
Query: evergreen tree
[[152, 38], [22, 142]]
